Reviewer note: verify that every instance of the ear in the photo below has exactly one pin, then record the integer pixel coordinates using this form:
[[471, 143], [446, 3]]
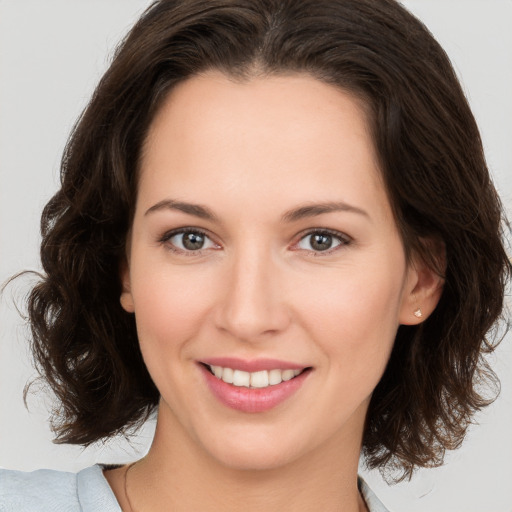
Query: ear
[[126, 298], [424, 285]]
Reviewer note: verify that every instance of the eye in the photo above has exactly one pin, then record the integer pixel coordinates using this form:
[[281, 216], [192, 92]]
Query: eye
[[188, 240], [322, 241]]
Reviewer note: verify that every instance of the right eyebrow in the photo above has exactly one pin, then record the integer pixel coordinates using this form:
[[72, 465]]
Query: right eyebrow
[[190, 208]]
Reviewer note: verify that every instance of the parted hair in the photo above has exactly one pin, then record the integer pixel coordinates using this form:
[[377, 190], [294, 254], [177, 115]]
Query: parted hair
[[432, 163]]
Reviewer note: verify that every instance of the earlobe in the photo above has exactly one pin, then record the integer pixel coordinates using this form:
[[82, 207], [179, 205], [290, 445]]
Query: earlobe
[[423, 290], [127, 302], [126, 298]]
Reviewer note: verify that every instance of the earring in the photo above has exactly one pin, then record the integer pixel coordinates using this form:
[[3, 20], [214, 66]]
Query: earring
[[418, 313]]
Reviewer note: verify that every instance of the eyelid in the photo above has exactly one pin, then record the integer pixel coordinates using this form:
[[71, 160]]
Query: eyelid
[[166, 237], [342, 237]]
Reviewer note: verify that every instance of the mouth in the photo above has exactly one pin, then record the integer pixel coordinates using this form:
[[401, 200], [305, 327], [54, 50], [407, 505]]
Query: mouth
[[253, 386], [254, 380]]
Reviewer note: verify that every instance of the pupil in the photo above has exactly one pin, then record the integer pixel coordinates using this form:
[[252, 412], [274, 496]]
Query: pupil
[[321, 242], [193, 241]]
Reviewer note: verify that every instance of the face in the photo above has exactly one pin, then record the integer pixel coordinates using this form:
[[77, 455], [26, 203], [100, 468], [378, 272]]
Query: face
[[263, 247]]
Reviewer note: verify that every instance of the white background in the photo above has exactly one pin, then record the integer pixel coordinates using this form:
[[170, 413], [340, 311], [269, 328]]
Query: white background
[[52, 53]]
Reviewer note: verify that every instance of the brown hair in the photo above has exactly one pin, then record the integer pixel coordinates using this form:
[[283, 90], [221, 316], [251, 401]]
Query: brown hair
[[433, 166]]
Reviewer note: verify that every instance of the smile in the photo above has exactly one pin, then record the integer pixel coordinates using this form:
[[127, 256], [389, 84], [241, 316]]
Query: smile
[[261, 386], [260, 379]]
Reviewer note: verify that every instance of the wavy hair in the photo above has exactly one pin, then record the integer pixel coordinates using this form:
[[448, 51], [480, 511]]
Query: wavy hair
[[431, 158]]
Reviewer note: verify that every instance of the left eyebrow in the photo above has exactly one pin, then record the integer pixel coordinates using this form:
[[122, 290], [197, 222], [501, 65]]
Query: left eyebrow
[[312, 210]]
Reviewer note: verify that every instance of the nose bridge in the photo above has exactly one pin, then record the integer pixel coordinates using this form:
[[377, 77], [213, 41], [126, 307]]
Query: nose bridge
[[252, 302]]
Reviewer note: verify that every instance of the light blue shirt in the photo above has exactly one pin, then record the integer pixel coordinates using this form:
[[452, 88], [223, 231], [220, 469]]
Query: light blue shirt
[[46, 490]]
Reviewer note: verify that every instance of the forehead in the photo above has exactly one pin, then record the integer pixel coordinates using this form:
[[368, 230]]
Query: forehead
[[270, 134]]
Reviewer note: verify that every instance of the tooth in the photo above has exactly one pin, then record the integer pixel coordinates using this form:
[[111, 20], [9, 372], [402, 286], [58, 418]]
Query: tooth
[[227, 375], [287, 374], [274, 377], [259, 379], [241, 378]]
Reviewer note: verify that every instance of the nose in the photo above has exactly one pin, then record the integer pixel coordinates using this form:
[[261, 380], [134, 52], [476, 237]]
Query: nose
[[253, 305]]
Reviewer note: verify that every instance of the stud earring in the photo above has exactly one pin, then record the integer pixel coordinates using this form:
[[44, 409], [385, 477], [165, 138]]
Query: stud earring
[[418, 313]]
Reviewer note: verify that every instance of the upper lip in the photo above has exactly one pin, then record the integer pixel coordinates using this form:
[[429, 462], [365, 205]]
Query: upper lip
[[252, 365]]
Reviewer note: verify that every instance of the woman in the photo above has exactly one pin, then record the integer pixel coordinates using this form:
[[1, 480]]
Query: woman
[[276, 225]]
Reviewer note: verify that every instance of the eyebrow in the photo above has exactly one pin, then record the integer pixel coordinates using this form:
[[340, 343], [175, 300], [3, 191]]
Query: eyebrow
[[192, 209], [312, 210], [302, 212]]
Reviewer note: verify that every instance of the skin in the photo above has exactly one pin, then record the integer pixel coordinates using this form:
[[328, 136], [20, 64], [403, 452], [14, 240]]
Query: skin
[[250, 153]]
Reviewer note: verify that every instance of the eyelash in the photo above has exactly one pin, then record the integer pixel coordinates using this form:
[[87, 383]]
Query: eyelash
[[165, 240], [343, 239]]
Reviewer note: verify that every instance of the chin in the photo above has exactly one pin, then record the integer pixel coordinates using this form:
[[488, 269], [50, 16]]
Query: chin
[[247, 453]]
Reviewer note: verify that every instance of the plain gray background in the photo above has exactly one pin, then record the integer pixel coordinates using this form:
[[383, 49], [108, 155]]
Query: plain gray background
[[52, 53]]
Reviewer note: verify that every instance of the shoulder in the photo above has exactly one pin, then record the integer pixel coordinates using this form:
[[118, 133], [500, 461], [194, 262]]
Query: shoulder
[[39, 490], [56, 491]]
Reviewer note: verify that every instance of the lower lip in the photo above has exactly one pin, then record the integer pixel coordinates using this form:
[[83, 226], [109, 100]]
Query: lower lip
[[253, 399]]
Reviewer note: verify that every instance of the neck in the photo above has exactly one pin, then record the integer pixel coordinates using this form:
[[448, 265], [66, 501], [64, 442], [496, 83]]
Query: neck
[[177, 475]]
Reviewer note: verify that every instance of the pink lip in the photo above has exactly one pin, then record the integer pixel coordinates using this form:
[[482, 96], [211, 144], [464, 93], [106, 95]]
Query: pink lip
[[255, 365], [252, 400]]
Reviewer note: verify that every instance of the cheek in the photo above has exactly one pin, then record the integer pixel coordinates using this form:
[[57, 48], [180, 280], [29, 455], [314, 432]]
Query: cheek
[[170, 308], [354, 318]]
